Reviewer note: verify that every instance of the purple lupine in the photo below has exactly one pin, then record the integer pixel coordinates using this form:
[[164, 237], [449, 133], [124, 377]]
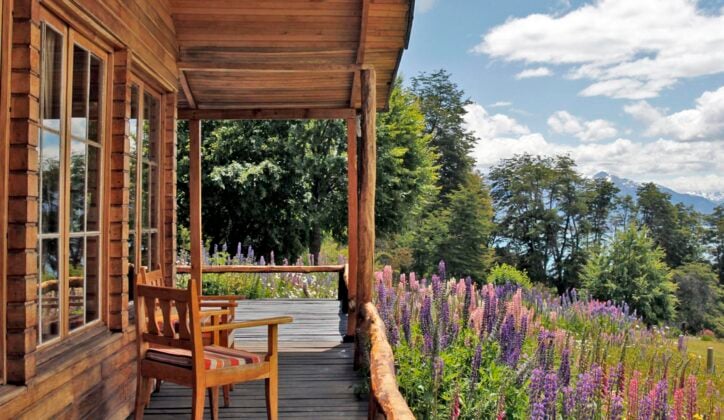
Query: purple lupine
[[537, 411], [585, 389], [250, 253], [597, 377], [615, 411], [510, 342], [239, 256], [537, 384], [681, 345], [564, 370], [467, 300], [661, 396], [426, 323], [436, 289], [475, 368], [406, 330], [645, 408], [442, 324], [550, 391], [441, 269]]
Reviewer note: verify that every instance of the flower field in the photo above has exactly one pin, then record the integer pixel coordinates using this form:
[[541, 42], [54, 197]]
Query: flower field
[[260, 286], [502, 351]]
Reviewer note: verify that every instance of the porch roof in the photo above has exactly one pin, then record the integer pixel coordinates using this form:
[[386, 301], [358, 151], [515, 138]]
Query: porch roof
[[286, 54]]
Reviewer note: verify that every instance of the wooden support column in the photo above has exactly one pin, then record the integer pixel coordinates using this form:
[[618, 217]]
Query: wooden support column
[[367, 182], [169, 190], [352, 225], [195, 198]]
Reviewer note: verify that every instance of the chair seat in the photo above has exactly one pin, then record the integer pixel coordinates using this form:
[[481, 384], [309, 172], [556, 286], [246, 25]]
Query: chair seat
[[215, 357]]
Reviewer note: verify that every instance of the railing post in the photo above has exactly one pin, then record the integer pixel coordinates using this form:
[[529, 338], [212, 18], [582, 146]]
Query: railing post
[[352, 227], [367, 182], [195, 198]]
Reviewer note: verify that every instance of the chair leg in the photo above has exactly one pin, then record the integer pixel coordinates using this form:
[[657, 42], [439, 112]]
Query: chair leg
[[272, 397], [158, 386], [197, 405], [141, 395], [214, 401], [227, 400]]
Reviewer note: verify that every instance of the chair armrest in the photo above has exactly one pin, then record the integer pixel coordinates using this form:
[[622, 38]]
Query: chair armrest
[[221, 297], [248, 324], [218, 304]]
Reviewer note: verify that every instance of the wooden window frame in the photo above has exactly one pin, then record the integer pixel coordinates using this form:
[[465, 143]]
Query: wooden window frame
[[70, 38], [5, 70], [146, 87]]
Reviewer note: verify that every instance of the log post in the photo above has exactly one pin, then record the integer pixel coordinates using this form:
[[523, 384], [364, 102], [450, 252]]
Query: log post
[[367, 182], [352, 237], [195, 198]]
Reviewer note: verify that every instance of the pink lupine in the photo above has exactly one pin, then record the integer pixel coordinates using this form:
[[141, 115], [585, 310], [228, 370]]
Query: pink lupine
[[679, 404], [690, 397], [633, 395]]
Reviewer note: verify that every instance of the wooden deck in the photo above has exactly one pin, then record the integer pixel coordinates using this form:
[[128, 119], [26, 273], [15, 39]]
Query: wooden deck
[[316, 379]]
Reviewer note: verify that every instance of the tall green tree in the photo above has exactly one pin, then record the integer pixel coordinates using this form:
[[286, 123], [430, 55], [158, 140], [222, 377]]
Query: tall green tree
[[545, 212], [715, 240], [701, 298], [675, 228], [466, 249], [443, 104], [632, 270]]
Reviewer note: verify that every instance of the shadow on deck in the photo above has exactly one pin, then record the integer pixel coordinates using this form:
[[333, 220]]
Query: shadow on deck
[[316, 379]]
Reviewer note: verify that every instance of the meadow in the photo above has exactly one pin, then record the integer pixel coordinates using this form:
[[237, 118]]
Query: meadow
[[465, 351]]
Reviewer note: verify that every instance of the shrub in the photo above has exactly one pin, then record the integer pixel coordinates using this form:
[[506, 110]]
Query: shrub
[[504, 273]]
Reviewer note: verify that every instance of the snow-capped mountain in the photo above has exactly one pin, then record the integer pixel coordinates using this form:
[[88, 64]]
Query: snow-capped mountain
[[702, 204]]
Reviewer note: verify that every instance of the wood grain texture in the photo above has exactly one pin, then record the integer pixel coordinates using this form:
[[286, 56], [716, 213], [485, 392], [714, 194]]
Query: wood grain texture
[[195, 198], [182, 269], [352, 224], [383, 380]]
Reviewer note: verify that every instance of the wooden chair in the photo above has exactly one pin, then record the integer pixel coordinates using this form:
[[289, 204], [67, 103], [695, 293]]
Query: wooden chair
[[181, 357], [221, 311]]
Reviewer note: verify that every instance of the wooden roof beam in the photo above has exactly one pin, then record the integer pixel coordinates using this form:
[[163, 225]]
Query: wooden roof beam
[[354, 95], [267, 114], [271, 68], [187, 89]]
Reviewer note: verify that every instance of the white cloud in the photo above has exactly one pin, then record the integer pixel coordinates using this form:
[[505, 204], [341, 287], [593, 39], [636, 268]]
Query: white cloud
[[423, 6], [703, 122], [687, 166], [562, 122], [628, 48], [536, 72], [500, 104], [487, 125]]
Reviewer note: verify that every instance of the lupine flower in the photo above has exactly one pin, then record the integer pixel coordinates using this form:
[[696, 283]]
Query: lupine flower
[[537, 411], [679, 403], [564, 370], [455, 412], [661, 406], [550, 391], [406, 328], [441, 269], [467, 300], [646, 407], [442, 324], [535, 388], [681, 344], [510, 342], [475, 368], [690, 397], [633, 394], [615, 411], [569, 401]]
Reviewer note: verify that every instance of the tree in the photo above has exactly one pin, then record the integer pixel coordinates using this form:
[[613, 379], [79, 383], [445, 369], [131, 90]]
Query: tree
[[601, 203], [632, 270], [544, 214], [715, 240], [443, 104], [470, 226], [675, 228], [701, 298]]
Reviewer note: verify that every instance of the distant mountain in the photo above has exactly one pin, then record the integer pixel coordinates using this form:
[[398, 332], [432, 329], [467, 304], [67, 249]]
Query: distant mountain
[[700, 204]]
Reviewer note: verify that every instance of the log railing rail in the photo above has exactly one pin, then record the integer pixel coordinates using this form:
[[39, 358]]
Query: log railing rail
[[342, 269], [385, 397]]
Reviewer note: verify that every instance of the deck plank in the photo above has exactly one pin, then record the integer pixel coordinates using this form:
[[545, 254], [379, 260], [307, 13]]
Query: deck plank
[[316, 379]]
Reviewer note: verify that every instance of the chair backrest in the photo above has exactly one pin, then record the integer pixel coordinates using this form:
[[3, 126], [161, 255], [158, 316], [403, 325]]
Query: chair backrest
[[151, 278], [186, 303]]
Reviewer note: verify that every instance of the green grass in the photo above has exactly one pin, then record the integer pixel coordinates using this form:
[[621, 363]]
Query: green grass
[[698, 347]]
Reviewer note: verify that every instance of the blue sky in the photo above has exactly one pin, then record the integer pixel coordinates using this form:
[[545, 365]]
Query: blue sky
[[634, 87]]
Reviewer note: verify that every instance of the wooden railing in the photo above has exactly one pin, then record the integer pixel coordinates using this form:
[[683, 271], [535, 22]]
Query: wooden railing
[[385, 397], [342, 269]]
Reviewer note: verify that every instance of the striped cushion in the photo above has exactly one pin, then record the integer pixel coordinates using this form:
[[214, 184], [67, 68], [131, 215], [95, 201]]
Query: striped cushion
[[215, 357]]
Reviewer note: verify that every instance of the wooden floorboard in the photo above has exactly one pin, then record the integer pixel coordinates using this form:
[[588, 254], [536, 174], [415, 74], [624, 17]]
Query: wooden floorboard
[[316, 379]]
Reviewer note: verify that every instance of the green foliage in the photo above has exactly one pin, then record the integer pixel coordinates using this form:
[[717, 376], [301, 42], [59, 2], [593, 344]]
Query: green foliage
[[675, 228], [443, 104], [548, 216], [632, 270], [504, 273], [701, 298], [714, 237]]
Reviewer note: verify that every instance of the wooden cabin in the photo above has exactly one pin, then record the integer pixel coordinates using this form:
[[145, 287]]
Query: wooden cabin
[[90, 94]]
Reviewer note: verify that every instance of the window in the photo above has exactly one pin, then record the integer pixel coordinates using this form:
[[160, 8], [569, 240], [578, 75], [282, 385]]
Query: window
[[144, 130], [72, 85]]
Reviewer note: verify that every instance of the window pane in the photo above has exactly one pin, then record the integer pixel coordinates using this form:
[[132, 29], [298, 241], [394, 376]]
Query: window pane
[[77, 186], [131, 264], [94, 98], [76, 282], [79, 106], [150, 127], [133, 122], [92, 281], [51, 78], [48, 295], [49, 181], [154, 259], [94, 189], [145, 195], [153, 197], [145, 251]]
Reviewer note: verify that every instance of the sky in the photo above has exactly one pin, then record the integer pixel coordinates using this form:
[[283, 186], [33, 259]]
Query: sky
[[631, 87]]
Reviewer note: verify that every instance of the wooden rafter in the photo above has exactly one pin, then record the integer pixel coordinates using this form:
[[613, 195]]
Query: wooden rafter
[[267, 114], [354, 94], [270, 68], [187, 89]]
